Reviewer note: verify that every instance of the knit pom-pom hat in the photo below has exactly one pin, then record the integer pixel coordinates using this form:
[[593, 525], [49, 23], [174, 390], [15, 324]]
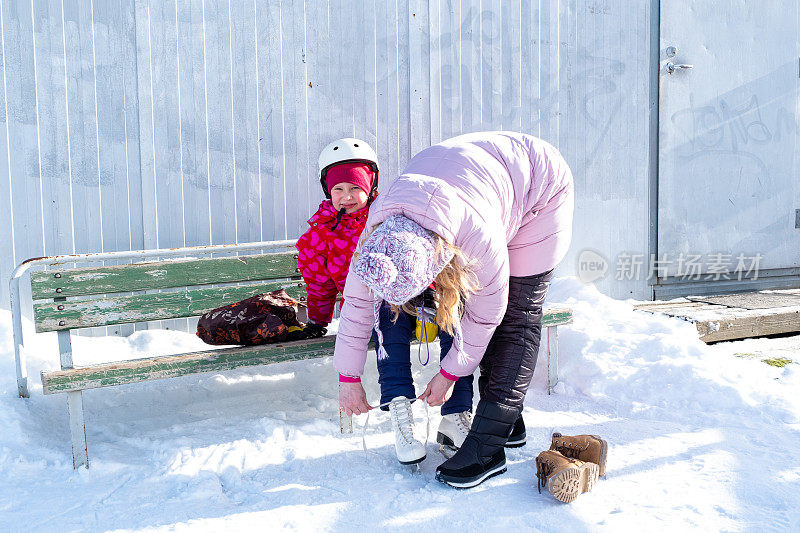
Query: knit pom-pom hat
[[397, 262]]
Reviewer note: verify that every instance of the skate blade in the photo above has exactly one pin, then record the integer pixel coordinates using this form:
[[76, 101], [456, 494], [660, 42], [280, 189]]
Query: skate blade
[[447, 451], [413, 468], [570, 483]]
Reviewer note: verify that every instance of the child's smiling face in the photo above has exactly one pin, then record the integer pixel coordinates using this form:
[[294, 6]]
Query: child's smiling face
[[348, 195]]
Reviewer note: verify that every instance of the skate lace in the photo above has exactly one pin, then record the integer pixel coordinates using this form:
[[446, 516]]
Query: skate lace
[[464, 421], [403, 419], [427, 423]]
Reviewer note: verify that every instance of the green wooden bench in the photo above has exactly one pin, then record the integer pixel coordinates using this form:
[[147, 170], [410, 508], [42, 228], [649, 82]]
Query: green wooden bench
[[69, 299]]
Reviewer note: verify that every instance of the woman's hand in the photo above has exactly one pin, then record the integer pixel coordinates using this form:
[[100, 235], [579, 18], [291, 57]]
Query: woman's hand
[[438, 391], [353, 399]]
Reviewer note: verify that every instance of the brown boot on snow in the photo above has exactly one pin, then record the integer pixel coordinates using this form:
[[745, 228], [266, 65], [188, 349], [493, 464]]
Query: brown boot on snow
[[565, 478], [589, 448]]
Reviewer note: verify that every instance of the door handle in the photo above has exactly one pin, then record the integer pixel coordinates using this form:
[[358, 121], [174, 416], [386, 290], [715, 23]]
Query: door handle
[[672, 67]]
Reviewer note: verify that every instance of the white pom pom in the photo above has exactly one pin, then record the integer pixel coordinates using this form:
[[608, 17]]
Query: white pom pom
[[376, 270]]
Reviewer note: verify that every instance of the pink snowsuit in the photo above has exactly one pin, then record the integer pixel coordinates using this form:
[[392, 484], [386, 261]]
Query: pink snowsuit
[[324, 257], [504, 198]]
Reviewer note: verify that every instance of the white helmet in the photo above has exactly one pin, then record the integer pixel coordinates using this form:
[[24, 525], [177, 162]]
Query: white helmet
[[347, 150]]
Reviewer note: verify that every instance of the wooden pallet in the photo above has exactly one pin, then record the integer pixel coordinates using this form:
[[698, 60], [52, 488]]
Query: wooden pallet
[[741, 316]]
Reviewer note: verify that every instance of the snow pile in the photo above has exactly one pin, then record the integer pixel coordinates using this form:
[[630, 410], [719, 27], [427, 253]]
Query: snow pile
[[698, 438]]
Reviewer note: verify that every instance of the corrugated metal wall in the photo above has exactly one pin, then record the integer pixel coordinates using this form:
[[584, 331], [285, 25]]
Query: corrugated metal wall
[[141, 124]]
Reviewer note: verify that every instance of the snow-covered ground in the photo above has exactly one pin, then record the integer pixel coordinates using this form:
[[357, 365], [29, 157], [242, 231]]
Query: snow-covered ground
[[700, 437]]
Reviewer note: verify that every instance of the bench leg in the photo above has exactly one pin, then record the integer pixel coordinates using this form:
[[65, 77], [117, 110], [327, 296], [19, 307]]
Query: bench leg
[[552, 358], [345, 422], [77, 430], [77, 427], [19, 354]]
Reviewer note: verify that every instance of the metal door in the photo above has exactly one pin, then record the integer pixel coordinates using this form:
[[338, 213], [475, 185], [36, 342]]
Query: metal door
[[728, 194]]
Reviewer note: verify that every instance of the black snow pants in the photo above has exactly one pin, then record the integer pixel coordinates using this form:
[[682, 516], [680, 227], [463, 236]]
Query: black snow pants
[[510, 359]]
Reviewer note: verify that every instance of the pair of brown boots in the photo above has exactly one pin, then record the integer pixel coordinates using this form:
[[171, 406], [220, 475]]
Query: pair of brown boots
[[572, 465]]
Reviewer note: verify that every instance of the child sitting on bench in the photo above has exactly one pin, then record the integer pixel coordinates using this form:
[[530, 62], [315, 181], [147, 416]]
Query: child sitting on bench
[[348, 173]]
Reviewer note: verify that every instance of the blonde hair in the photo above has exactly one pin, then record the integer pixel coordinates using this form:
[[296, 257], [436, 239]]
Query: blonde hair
[[454, 284]]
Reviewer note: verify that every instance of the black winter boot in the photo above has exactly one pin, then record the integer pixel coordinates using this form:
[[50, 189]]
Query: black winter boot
[[482, 455], [518, 436]]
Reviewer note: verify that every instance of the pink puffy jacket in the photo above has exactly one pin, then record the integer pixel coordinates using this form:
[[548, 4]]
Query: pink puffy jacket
[[504, 198]]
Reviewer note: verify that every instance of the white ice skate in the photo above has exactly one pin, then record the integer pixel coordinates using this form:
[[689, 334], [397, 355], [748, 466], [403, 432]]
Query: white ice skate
[[453, 429], [409, 450]]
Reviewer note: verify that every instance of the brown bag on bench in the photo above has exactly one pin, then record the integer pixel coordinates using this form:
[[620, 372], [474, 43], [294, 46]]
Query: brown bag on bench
[[260, 319]]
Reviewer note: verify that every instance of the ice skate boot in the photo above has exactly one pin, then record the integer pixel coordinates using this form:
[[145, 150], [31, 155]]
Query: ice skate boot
[[453, 429], [409, 450]]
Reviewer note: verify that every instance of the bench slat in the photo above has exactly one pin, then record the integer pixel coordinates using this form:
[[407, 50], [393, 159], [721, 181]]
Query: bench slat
[[111, 374], [179, 304], [162, 275], [120, 373], [78, 314], [556, 317]]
